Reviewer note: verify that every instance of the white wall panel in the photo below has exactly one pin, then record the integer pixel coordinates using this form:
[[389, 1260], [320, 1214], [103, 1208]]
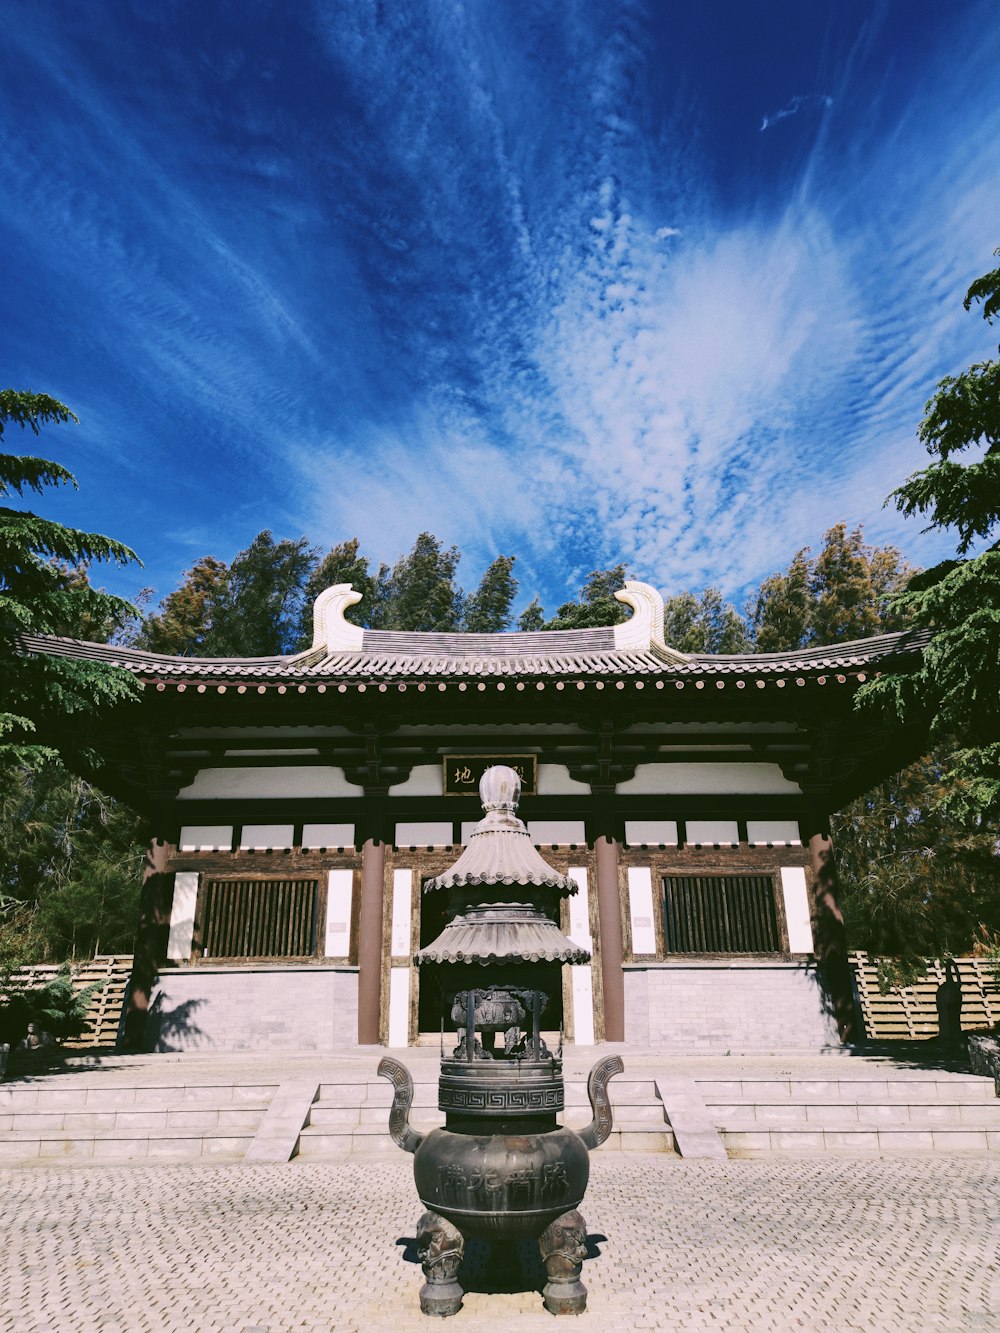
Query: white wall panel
[[339, 893], [402, 895], [582, 984], [712, 833], [261, 837], [327, 835], [206, 838], [399, 1006], [715, 779], [581, 977], [651, 832], [423, 835], [424, 780], [217, 784], [554, 780], [773, 833], [640, 906], [557, 832], [182, 916], [796, 895]]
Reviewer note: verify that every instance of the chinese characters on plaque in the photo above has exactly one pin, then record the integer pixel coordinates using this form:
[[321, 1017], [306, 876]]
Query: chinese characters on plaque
[[463, 771]]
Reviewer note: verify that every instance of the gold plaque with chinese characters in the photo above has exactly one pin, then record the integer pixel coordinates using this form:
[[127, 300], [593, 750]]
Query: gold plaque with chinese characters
[[463, 771]]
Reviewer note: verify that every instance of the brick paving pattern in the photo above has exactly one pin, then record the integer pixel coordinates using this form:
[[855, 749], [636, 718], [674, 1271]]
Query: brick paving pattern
[[907, 1243]]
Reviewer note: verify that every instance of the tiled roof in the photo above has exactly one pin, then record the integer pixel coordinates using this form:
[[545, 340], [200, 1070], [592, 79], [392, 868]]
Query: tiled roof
[[571, 654]]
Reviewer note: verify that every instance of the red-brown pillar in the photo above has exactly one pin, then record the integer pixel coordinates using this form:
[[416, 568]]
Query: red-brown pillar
[[830, 940], [155, 901], [609, 914], [370, 941]]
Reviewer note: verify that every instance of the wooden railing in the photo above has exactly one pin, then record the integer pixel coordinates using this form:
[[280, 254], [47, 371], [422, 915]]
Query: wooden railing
[[260, 918], [910, 1013], [720, 914]]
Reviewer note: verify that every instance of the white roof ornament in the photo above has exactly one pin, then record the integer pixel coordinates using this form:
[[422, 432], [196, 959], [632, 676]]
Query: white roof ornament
[[331, 630], [644, 628]]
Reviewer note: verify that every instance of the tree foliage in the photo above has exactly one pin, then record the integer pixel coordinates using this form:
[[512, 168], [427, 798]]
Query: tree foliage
[[848, 591], [958, 683], [487, 610], [705, 624], [420, 591], [595, 606], [915, 884], [42, 591]]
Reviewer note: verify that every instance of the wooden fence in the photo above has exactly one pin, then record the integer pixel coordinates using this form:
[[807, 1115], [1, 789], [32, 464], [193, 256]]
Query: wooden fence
[[910, 1014], [105, 1008]]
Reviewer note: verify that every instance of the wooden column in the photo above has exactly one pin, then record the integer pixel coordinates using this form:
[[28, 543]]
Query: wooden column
[[829, 937], [609, 913], [155, 900], [370, 941]]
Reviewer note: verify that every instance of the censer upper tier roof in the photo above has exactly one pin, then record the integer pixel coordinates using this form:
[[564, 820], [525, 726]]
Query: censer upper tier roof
[[500, 850]]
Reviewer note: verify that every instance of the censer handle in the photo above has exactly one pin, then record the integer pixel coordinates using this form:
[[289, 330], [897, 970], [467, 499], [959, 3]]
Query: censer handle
[[597, 1090], [399, 1116]]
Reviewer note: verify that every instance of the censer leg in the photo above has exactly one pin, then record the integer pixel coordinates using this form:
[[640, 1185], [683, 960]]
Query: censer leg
[[563, 1244], [440, 1246]]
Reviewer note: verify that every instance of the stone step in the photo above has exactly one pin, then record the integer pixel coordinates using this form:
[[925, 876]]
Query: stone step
[[753, 1139], [166, 1145], [72, 1094], [242, 1117], [951, 1087], [981, 1114]]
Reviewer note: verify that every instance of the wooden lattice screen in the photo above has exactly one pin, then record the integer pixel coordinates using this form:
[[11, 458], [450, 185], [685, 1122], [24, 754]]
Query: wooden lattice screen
[[105, 1008], [260, 918], [910, 1014], [720, 914]]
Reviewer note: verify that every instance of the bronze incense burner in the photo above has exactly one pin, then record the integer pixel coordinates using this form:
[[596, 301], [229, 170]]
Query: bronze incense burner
[[502, 1168]]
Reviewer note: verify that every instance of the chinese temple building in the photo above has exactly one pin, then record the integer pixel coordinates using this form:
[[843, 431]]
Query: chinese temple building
[[299, 804]]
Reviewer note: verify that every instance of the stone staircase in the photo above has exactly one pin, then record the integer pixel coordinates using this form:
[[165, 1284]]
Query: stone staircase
[[351, 1119], [89, 1116], [863, 1106], [229, 1107]]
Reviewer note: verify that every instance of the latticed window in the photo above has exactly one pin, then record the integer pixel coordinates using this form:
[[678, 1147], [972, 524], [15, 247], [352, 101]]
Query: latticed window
[[720, 914], [260, 918]]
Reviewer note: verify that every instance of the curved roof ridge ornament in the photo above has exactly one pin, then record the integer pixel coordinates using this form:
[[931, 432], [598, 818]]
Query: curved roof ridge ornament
[[332, 631], [644, 628]]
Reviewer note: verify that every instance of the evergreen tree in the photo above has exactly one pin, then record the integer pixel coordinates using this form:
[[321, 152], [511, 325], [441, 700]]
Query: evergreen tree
[[487, 610], [596, 605], [781, 613], [419, 593], [185, 619], [70, 867], [847, 592], [259, 607], [533, 616], [37, 594], [704, 625], [958, 682], [915, 884]]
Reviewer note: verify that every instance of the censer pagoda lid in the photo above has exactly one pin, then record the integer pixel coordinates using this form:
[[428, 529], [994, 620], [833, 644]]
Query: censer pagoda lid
[[498, 925], [500, 850]]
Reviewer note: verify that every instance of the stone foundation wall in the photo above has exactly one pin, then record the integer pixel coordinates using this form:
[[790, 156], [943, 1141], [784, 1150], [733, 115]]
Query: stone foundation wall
[[255, 1009], [727, 1006]]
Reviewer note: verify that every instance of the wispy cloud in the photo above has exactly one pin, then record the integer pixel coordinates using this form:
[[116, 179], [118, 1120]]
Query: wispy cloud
[[802, 101]]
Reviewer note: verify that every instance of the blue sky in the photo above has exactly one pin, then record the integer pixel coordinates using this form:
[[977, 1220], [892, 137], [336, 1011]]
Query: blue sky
[[577, 280]]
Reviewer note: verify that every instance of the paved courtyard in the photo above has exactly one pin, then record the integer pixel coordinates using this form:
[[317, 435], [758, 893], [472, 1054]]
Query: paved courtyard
[[907, 1244]]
